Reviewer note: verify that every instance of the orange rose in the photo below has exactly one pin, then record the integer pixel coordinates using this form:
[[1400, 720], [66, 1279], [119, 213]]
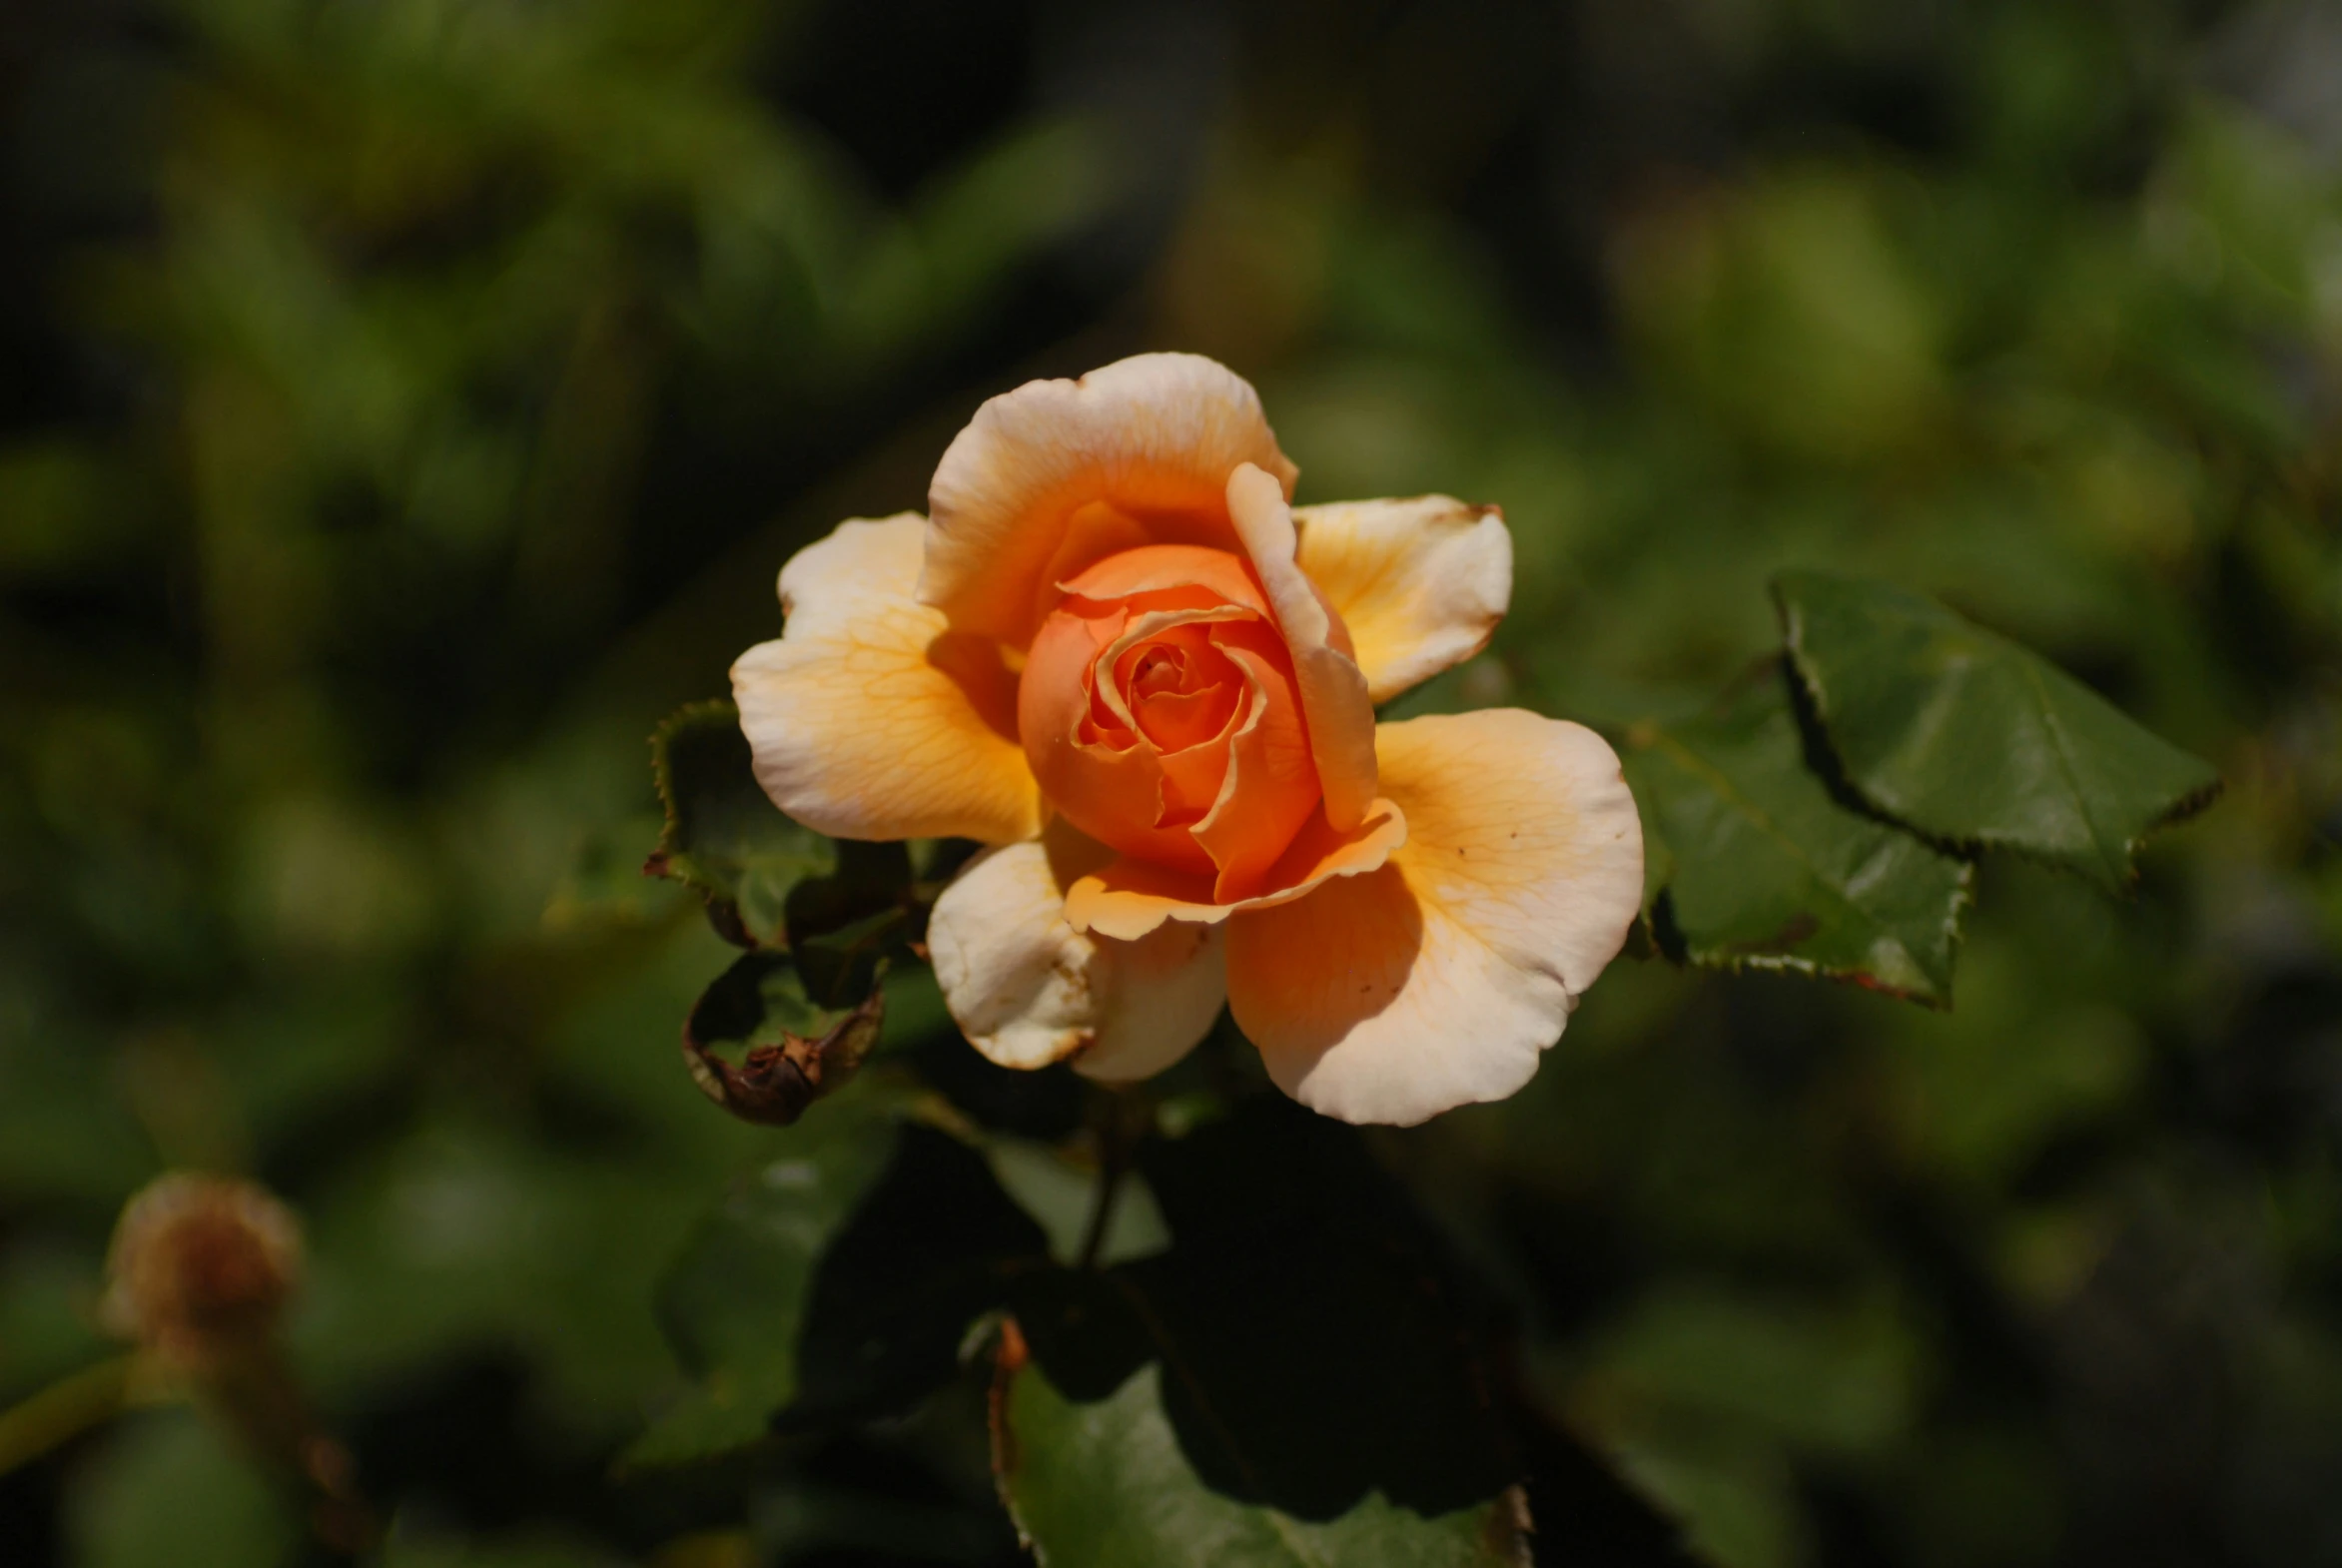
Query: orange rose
[[1114, 652]]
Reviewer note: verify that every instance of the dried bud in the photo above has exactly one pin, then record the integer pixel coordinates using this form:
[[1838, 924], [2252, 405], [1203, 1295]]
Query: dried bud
[[200, 1268], [778, 1079]]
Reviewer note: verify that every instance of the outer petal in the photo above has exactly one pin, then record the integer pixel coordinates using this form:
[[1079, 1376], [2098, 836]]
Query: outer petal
[[1420, 583], [1055, 475], [869, 719], [1436, 980], [1333, 690], [1129, 898], [1028, 990]]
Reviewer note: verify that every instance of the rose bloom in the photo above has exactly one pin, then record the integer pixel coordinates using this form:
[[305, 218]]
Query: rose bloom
[[1113, 652]]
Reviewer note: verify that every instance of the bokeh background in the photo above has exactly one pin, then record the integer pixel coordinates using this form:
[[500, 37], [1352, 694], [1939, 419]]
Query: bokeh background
[[405, 402]]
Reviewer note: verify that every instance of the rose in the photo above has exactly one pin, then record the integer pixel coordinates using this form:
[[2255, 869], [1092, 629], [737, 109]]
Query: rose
[[1113, 652]]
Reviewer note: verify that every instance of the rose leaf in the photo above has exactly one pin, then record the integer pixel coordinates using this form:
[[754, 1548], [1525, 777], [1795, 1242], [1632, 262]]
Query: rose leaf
[[1767, 869], [835, 1283], [1974, 741]]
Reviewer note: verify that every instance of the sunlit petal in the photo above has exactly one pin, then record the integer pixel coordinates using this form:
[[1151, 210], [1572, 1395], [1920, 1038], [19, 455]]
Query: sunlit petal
[[1028, 989], [1059, 475], [1436, 980], [867, 717], [1421, 583], [1335, 701]]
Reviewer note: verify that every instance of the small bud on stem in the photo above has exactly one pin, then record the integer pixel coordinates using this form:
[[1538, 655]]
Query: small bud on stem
[[200, 1272]]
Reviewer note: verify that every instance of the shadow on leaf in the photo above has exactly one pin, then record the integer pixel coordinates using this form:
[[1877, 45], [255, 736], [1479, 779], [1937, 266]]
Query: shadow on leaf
[[1315, 1344]]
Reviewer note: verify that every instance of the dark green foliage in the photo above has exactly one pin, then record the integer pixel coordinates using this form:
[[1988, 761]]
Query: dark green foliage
[[723, 836], [1107, 1480], [1974, 741], [843, 925], [1821, 817], [735, 1305], [1307, 1375], [1765, 869], [836, 1282], [937, 1246]]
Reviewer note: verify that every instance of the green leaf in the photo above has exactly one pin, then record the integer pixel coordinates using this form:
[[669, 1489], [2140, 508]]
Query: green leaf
[[1299, 1379], [1974, 741], [723, 835], [1104, 1483], [169, 1490], [770, 882], [1770, 870], [936, 1246], [835, 1283], [840, 926], [1735, 1495], [734, 1303]]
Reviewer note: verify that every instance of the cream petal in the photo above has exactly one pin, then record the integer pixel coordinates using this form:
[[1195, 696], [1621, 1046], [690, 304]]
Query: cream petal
[[869, 717], [1436, 980], [1164, 992], [1335, 701], [1421, 583], [1026, 989], [1057, 475]]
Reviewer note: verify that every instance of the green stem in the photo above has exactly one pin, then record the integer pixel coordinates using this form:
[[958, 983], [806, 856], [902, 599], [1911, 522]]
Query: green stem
[[63, 1411], [1101, 1208], [1122, 1118]]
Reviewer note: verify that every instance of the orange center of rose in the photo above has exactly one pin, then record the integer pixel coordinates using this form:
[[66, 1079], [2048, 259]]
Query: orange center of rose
[[1158, 709]]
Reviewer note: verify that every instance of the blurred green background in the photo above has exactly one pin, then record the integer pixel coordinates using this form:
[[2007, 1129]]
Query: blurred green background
[[404, 404]]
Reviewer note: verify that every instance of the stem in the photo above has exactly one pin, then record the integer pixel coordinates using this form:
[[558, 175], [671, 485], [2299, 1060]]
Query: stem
[[62, 1411], [1102, 1207], [1118, 1130], [252, 1389]]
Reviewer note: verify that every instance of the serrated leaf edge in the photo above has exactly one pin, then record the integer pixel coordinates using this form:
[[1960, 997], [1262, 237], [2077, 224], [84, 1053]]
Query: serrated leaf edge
[[2192, 804], [691, 714]]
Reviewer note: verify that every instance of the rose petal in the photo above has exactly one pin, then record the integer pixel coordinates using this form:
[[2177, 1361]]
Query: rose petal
[[867, 717], [1160, 569], [1028, 990], [1270, 789], [1145, 628], [1333, 691], [1420, 583], [1057, 475], [1128, 897], [1436, 980], [1083, 742], [1173, 722]]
